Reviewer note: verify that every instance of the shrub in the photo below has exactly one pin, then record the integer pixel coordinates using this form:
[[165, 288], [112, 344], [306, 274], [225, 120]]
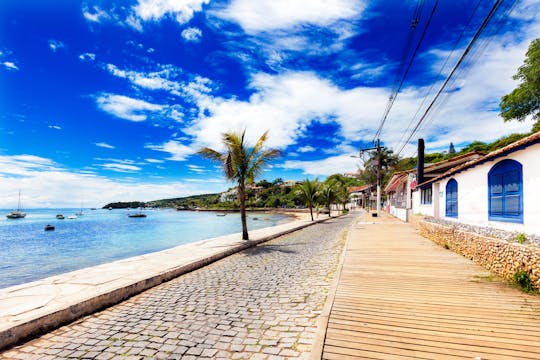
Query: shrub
[[521, 238], [523, 279]]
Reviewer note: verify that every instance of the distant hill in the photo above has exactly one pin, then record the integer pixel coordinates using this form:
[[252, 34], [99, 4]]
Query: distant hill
[[125, 205]]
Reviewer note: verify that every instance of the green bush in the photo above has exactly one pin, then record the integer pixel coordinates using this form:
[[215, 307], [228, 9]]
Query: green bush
[[523, 279], [521, 238]]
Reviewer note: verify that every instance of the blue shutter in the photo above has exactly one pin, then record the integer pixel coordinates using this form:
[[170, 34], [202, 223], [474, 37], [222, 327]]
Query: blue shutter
[[452, 198], [505, 191]]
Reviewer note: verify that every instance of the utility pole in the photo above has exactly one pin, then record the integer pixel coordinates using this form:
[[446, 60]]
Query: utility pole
[[378, 148]]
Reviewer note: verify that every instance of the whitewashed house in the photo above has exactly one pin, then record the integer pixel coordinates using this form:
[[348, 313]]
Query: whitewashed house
[[400, 187], [499, 190]]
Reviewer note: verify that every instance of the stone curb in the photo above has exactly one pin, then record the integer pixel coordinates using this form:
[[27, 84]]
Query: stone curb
[[48, 322], [322, 322]]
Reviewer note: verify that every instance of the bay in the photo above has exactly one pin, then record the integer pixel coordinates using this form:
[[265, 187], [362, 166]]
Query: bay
[[29, 253]]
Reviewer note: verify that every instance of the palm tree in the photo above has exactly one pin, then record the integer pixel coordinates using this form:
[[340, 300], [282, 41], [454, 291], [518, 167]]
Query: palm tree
[[329, 193], [241, 164], [309, 193]]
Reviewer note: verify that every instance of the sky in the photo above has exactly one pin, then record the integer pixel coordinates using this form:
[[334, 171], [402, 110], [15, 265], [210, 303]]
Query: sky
[[104, 101]]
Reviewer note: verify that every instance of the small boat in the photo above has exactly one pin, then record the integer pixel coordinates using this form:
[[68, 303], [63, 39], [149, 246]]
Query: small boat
[[17, 214], [110, 207], [137, 215], [72, 217], [221, 214], [49, 227], [60, 217]]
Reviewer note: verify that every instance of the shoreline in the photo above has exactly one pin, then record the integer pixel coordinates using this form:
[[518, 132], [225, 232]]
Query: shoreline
[[34, 308]]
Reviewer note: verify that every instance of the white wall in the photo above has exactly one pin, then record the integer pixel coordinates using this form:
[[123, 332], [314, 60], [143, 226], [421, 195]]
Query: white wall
[[420, 208], [473, 193]]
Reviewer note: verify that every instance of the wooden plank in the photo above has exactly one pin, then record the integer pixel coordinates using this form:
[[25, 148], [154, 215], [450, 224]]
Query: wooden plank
[[400, 296]]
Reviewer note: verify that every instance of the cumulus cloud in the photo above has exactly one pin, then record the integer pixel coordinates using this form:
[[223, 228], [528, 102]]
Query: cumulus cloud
[[154, 10], [105, 145], [324, 167], [45, 184], [9, 65], [127, 108], [305, 149], [268, 15], [192, 34], [177, 150], [55, 45], [87, 57], [94, 14]]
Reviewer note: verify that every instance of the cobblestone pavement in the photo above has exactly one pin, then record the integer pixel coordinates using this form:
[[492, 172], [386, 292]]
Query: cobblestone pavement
[[262, 303]]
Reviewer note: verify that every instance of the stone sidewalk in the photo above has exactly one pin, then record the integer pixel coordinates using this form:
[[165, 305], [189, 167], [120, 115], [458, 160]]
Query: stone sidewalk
[[262, 303]]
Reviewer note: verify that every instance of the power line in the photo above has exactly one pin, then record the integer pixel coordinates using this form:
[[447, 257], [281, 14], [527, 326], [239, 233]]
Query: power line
[[396, 89], [456, 43], [495, 25], [488, 17]]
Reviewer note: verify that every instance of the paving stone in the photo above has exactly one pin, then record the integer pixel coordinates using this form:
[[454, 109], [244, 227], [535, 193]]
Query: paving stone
[[256, 304]]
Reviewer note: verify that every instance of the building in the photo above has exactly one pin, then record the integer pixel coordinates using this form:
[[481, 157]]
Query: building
[[358, 196], [402, 185], [498, 190]]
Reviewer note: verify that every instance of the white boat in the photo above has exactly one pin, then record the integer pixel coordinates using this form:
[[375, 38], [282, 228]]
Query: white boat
[[72, 217], [17, 214]]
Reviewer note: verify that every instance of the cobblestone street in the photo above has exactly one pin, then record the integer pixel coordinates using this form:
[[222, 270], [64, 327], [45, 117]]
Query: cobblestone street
[[261, 303]]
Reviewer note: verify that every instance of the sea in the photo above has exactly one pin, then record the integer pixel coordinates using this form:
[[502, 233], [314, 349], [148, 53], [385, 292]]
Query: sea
[[29, 253]]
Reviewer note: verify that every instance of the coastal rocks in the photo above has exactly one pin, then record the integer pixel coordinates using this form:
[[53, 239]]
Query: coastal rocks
[[501, 257]]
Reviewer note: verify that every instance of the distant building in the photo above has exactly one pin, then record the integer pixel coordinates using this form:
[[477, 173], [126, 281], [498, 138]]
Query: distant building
[[499, 190], [290, 183], [229, 195], [358, 196]]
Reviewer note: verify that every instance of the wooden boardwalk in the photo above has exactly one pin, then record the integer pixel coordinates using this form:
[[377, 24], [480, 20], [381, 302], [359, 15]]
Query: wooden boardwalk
[[399, 296]]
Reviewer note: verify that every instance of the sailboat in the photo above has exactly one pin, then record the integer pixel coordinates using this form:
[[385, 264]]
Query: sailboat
[[17, 214]]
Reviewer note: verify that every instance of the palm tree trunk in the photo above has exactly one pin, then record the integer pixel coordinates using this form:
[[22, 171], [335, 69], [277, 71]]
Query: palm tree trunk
[[311, 212], [242, 198]]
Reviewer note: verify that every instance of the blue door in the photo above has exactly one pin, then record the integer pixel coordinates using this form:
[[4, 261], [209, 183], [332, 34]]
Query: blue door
[[452, 198]]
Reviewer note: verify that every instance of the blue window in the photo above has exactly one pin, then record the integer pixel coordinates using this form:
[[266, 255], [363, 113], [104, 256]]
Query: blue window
[[426, 196], [505, 191], [452, 198]]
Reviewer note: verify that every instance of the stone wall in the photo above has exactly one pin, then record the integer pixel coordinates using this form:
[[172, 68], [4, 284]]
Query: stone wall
[[501, 257]]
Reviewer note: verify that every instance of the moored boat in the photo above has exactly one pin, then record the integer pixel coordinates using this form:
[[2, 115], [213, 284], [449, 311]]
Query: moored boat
[[60, 217], [49, 227], [17, 214], [137, 215]]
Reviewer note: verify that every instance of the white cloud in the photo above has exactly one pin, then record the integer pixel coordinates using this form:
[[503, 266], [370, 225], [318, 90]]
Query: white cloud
[[55, 127], [87, 57], [305, 149], [94, 14], [178, 151], [105, 145], [325, 167], [154, 161], [123, 168], [127, 108], [10, 65], [55, 45], [192, 34], [155, 80], [44, 184], [154, 10], [197, 169], [269, 15]]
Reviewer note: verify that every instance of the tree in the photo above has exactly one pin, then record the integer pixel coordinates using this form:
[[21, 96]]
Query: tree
[[308, 192], [451, 149], [241, 164], [329, 193], [525, 99]]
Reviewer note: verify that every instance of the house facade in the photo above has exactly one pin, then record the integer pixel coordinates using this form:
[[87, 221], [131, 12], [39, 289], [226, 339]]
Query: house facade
[[499, 190], [402, 186]]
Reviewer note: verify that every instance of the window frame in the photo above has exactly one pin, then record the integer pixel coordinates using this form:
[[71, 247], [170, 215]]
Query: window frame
[[450, 213], [423, 195], [500, 169]]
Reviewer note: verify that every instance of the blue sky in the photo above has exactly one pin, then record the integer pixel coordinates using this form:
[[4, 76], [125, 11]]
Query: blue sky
[[109, 100]]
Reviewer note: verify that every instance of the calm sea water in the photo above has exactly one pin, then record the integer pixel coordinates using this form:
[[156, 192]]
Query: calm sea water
[[29, 253]]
